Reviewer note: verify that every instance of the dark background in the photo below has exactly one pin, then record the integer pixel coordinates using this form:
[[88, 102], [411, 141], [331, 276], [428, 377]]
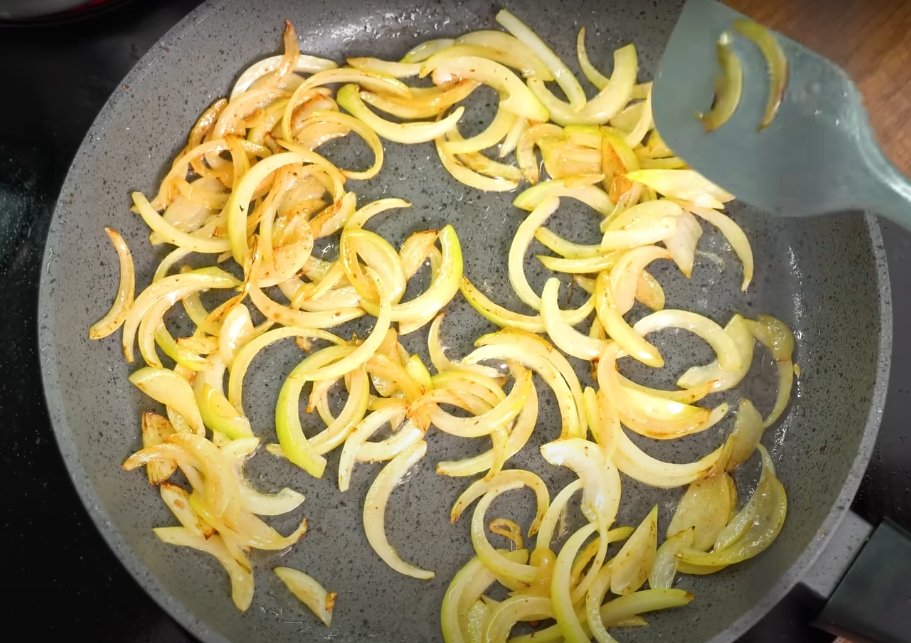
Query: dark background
[[60, 578]]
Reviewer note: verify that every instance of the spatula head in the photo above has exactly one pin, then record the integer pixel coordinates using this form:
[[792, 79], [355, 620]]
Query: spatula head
[[804, 162]]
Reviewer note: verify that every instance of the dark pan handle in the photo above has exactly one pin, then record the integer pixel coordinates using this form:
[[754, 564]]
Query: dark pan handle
[[864, 575]]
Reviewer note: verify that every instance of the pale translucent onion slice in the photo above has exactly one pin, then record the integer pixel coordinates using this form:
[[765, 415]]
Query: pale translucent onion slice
[[685, 185], [155, 430], [610, 99], [499, 482], [593, 600], [493, 559], [411, 133], [241, 577], [442, 288], [560, 590], [169, 388], [521, 240], [171, 234], [518, 437], [468, 176], [515, 97], [705, 508], [495, 132], [509, 50], [633, 563], [505, 318], [392, 414], [116, 315], [540, 356], [166, 292], [581, 188], [733, 233], [466, 587], [513, 610], [753, 529], [738, 330], [630, 339], [309, 592], [562, 334], [665, 568], [375, 509], [729, 357], [647, 600], [305, 65], [426, 49], [244, 356], [600, 478], [561, 73]]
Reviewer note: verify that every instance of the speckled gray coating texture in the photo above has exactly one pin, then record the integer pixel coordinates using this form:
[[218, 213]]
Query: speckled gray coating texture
[[826, 278]]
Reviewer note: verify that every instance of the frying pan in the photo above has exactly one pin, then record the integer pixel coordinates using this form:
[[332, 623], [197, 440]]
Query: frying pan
[[826, 278]]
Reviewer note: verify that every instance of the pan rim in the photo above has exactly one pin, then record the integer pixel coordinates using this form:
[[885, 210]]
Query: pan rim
[[199, 628]]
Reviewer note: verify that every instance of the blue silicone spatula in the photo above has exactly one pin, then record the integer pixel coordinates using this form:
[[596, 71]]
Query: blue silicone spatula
[[817, 155]]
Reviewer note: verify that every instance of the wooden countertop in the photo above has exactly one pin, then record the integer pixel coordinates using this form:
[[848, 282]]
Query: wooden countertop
[[871, 39]]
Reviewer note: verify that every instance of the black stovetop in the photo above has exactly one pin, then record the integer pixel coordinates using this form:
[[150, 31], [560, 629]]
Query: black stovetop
[[61, 577]]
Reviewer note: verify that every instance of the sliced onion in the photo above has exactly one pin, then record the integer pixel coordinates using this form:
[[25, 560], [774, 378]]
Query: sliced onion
[[116, 315], [241, 577], [665, 567], [630, 339], [173, 235], [515, 97], [304, 64], [498, 128], [503, 481], [155, 430], [704, 509], [729, 357], [426, 49], [165, 386], [728, 85], [542, 358], [375, 509], [414, 132], [309, 592], [493, 559], [600, 479], [561, 73], [469, 177], [466, 587], [518, 437], [560, 591], [753, 529], [646, 600], [738, 330], [508, 50], [600, 109], [632, 564], [624, 277], [506, 318], [579, 188], [392, 414], [520, 242], [424, 102], [513, 610], [562, 334], [595, 77], [775, 59], [177, 499]]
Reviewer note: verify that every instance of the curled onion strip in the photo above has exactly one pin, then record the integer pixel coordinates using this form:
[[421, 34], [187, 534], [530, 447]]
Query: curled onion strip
[[375, 509], [115, 317]]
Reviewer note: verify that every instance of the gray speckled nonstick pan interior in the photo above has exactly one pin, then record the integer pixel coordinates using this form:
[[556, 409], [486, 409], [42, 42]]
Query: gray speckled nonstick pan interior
[[826, 278]]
